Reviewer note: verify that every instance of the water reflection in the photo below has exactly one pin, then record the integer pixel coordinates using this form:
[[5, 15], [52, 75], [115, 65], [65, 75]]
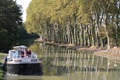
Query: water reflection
[[73, 65], [66, 64]]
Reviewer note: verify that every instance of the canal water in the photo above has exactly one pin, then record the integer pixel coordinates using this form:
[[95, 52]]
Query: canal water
[[60, 63]]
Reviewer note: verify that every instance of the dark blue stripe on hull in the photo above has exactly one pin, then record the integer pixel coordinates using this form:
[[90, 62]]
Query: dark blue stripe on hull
[[25, 69]]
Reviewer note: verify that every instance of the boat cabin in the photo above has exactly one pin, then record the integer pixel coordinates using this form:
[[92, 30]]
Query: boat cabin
[[21, 52]]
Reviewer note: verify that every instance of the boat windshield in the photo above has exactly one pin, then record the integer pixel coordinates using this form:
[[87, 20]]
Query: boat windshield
[[15, 54]]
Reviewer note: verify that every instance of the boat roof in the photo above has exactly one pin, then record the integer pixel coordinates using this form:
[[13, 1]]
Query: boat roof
[[20, 47]]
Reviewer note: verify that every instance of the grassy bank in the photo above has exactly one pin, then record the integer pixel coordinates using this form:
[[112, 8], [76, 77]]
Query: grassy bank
[[1, 56], [1, 70]]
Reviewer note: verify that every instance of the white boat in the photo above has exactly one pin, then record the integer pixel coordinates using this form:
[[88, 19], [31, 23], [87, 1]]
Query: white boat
[[22, 61]]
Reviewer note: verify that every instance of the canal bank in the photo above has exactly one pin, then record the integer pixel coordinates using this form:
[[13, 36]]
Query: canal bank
[[112, 53], [1, 69]]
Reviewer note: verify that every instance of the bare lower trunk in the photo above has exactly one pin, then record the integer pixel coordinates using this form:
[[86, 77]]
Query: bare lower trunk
[[108, 40], [106, 30]]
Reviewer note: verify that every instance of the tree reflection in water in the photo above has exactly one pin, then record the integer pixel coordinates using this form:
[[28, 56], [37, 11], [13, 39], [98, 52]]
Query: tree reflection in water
[[65, 64], [74, 65]]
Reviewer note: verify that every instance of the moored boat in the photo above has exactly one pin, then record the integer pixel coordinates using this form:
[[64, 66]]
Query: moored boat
[[22, 61]]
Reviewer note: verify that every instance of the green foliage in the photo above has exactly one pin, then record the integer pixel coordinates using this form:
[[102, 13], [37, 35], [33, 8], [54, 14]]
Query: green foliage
[[66, 20], [10, 18], [1, 74]]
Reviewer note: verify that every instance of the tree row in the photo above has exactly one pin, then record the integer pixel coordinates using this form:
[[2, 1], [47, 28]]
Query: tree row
[[80, 22]]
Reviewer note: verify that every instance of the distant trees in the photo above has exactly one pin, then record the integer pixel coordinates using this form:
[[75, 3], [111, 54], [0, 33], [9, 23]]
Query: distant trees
[[80, 22], [10, 22]]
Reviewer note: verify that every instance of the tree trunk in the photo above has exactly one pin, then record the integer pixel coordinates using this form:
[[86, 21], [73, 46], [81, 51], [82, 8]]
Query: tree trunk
[[106, 30]]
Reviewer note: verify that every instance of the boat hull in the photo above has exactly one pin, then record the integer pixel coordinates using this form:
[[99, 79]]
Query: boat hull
[[25, 69]]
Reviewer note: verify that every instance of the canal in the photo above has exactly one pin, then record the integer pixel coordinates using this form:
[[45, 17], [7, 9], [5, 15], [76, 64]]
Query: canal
[[60, 63]]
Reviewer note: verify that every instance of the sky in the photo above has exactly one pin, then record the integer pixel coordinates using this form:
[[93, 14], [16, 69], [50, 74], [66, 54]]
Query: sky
[[24, 4]]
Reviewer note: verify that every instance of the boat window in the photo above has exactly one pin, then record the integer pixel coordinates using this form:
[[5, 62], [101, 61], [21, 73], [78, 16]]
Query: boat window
[[20, 54], [11, 54], [15, 54]]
